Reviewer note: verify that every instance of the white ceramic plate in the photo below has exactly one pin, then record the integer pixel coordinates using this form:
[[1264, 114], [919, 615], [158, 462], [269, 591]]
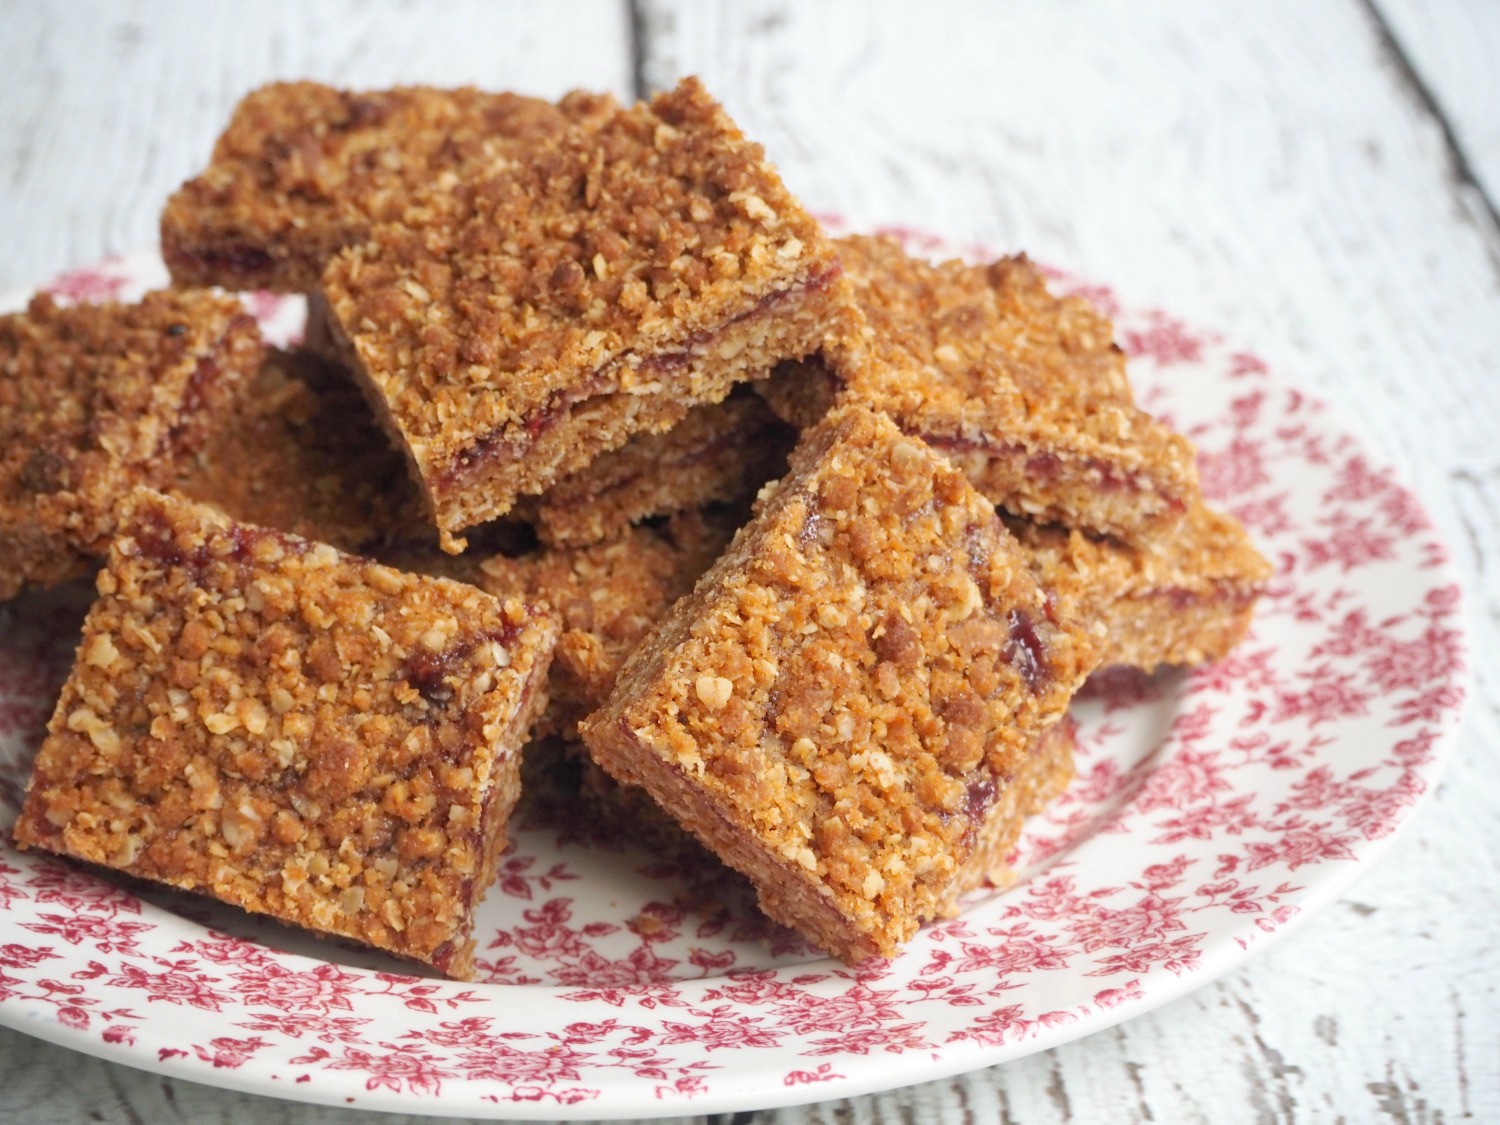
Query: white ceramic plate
[[1212, 810]]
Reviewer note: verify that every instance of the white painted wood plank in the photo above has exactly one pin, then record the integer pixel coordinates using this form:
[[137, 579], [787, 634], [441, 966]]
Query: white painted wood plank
[[109, 106], [1453, 47]]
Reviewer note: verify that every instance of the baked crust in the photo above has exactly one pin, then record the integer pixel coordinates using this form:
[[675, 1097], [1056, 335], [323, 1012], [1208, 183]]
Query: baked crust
[[526, 317], [1038, 781], [607, 597], [719, 453], [839, 703], [95, 400], [298, 450], [294, 731], [1025, 391], [1183, 596], [628, 811], [303, 170]]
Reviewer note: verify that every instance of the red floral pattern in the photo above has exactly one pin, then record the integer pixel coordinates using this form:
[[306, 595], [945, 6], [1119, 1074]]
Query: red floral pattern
[[125, 279], [110, 280], [1211, 809]]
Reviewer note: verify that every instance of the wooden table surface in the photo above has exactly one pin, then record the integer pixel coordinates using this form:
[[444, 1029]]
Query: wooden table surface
[[1318, 181]]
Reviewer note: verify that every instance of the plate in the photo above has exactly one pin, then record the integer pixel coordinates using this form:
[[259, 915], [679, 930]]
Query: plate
[[1212, 811]]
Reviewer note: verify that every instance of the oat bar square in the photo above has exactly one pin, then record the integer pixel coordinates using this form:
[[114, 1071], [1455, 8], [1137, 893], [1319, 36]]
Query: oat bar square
[[839, 703], [522, 319], [303, 170], [1027, 392], [1183, 596], [95, 400], [294, 731]]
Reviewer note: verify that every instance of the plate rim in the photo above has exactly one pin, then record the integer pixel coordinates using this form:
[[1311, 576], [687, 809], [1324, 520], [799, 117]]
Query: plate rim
[[634, 1098]]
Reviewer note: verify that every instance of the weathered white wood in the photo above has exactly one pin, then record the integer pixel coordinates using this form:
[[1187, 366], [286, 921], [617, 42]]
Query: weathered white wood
[[1257, 167], [109, 106], [41, 1084], [1453, 48]]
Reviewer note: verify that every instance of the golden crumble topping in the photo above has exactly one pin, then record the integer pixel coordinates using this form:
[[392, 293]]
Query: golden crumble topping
[[292, 730], [843, 697], [303, 170], [525, 317], [96, 399]]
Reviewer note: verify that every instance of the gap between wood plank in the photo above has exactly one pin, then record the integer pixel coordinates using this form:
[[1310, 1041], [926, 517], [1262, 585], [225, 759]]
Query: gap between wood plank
[[637, 25], [1462, 170]]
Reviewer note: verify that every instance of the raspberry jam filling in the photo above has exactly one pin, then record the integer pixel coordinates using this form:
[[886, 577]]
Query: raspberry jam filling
[[1046, 467], [1025, 652], [514, 443], [236, 260], [234, 545], [428, 671]]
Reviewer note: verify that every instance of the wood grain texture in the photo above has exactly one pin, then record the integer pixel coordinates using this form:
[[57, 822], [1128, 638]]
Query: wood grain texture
[[1260, 168], [1453, 48]]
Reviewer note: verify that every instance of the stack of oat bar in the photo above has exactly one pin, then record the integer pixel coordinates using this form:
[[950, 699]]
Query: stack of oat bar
[[805, 543]]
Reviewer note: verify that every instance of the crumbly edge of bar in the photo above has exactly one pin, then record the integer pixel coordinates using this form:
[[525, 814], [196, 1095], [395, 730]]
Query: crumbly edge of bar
[[60, 491], [1026, 390], [238, 261], [630, 743], [495, 816], [1040, 779], [1183, 597], [1166, 629], [38, 558], [1053, 484], [299, 451], [1114, 496], [289, 185], [783, 890], [718, 452], [84, 730], [483, 481], [607, 597], [799, 391], [326, 338], [626, 808]]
